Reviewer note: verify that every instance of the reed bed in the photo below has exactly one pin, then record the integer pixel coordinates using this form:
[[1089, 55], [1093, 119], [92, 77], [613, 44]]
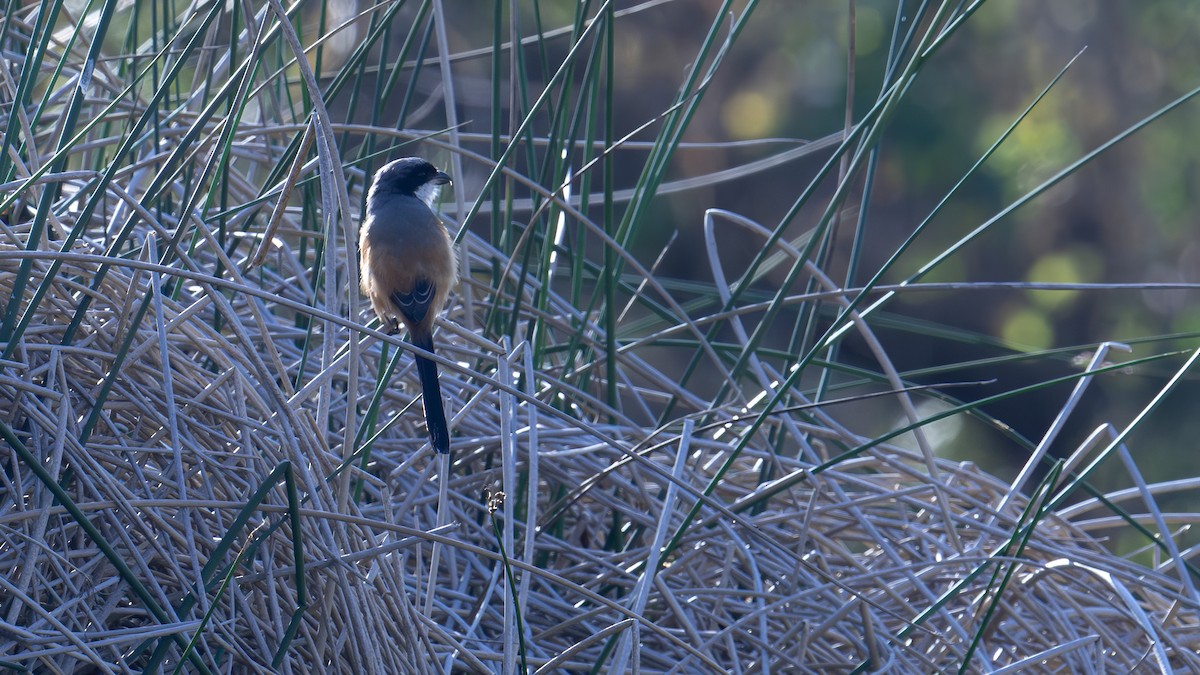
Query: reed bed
[[880, 560], [214, 462]]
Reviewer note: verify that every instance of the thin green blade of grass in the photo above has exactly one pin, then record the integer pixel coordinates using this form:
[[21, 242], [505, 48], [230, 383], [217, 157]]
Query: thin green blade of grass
[[1034, 512]]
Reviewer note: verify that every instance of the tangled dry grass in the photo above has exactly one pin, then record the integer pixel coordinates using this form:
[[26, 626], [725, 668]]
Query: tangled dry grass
[[877, 561], [210, 464]]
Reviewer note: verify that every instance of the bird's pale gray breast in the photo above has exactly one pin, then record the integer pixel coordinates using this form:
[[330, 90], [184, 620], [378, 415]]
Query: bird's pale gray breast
[[402, 220]]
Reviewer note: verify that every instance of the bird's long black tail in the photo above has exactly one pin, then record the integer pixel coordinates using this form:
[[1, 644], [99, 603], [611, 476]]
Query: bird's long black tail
[[431, 393]]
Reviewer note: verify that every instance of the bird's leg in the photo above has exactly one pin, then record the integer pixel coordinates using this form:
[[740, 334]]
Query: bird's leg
[[393, 327]]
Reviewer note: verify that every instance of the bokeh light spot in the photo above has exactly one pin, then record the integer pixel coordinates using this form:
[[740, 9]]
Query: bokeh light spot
[[750, 114], [1027, 329], [1071, 267]]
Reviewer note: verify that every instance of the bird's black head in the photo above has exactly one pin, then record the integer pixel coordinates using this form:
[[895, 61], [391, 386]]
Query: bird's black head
[[407, 176]]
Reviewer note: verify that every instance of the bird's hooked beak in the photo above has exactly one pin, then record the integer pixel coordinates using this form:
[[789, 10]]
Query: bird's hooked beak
[[441, 178]]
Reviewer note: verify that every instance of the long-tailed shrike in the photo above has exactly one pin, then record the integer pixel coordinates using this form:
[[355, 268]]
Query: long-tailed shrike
[[408, 267]]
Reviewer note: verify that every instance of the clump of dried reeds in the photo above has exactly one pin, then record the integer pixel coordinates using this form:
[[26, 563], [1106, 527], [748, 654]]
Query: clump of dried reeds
[[210, 462], [603, 542]]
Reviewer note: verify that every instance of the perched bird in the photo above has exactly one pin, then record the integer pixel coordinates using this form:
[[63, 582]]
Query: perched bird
[[407, 267]]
